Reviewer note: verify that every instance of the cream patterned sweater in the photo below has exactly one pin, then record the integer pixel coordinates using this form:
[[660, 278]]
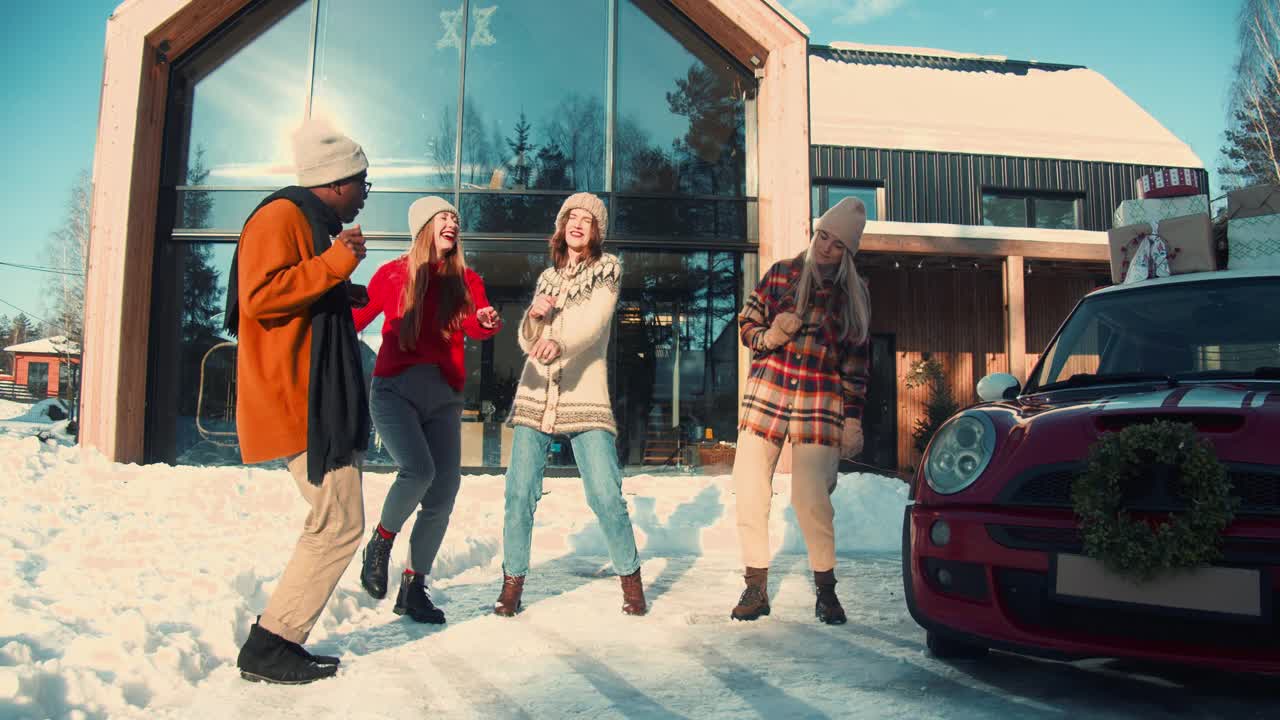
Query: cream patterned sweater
[[571, 394]]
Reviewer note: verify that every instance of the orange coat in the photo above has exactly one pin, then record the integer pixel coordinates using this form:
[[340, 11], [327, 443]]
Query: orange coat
[[279, 277]]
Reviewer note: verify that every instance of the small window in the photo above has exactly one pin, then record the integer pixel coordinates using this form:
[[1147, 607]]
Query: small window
[[824, 196], [1012, 209]]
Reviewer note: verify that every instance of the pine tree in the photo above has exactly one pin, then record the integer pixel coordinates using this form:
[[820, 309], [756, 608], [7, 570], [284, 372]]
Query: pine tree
[[23, 329], [520, 164]]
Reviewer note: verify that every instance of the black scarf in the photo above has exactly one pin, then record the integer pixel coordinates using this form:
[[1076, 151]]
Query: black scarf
[[337, 408]]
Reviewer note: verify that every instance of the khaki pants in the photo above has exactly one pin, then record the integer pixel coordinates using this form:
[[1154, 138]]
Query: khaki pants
[[813, 479], [330, 537]]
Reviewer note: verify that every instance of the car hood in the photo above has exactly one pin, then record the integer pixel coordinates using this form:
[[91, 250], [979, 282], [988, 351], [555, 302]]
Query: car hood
[[1241, 421]]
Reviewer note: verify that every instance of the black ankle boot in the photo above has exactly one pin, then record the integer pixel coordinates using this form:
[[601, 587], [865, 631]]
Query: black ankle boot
[[267, 657], [827, 608], [299, 650], [373, 573], [414, 601]]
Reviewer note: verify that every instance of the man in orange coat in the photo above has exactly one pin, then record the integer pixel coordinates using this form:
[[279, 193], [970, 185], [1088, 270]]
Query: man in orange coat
[[300, 388]]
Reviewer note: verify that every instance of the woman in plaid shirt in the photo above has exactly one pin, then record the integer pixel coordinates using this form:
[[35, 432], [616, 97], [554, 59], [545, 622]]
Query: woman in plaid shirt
[[806, 325]]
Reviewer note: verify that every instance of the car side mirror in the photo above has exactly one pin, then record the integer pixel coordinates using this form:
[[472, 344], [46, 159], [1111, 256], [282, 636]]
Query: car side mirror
[[998, 386]]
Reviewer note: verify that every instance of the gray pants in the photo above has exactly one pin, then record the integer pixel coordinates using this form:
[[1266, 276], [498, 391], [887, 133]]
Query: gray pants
[[419, 418]]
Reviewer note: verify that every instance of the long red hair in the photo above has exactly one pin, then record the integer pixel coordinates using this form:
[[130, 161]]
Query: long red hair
[[454, 300]]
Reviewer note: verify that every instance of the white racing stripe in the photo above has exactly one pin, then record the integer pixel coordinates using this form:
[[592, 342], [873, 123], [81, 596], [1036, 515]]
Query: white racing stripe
[[1213, 397], [1143, 401]]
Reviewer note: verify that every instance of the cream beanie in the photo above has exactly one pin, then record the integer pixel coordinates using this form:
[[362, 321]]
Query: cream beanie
[[322, 155], [846, 220], [590, 203], [425, 208]]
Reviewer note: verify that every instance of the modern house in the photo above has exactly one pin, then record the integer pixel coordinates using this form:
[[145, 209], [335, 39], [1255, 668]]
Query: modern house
[[713, 130]]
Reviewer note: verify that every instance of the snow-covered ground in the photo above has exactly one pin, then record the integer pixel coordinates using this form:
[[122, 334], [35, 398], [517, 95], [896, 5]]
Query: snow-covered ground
[[11, 409], [127, 590]]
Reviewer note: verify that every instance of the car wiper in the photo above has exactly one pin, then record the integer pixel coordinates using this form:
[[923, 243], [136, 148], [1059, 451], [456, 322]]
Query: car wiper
[[1089, 379]]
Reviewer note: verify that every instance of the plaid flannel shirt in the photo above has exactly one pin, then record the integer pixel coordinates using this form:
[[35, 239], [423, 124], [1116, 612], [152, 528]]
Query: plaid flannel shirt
[[806, 388]]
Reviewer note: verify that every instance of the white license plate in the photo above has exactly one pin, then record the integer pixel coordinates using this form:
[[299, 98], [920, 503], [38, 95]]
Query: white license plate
[[1229, 591]]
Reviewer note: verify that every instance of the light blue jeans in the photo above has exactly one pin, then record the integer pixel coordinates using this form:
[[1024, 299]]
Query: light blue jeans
[[597, 459]]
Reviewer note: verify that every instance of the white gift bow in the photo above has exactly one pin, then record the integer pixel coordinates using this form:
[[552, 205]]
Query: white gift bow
[[1152, 258]]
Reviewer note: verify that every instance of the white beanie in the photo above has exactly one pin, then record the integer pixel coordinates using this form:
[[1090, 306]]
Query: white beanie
[[425, 208], [322, 155], [584, 201], [846, 220]]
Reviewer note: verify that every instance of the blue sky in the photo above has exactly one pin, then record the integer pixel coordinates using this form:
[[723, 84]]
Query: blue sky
[[1173, 57]]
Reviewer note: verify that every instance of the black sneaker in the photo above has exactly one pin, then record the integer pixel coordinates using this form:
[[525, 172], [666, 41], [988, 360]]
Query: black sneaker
[[373, 573], [267, 657], [414, 601]]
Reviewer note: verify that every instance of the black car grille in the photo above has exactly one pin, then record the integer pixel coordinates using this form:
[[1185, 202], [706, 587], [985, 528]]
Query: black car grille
[[1050, 486], [1025, 595]]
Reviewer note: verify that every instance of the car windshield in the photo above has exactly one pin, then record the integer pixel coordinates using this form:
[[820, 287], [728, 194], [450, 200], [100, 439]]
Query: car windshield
[[1168, 332]]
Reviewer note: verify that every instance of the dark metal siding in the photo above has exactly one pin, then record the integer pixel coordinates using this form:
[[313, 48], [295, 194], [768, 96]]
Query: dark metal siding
[[940, 187]]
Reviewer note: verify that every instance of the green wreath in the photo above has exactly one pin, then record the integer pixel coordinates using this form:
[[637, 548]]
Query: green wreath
[[1189, 539]]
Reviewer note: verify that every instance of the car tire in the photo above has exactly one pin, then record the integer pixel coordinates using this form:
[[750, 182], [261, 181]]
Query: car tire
[[945, 647]]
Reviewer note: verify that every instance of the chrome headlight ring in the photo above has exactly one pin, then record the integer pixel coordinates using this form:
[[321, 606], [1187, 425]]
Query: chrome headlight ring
[[960, 452]]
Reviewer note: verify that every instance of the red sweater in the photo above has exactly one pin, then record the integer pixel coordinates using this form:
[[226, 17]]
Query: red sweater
[[385, 292]]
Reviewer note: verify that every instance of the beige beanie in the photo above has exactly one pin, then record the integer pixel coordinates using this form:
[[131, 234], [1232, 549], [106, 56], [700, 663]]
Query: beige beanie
[[846, 220], [322, 155], [425, 208], [584, 201]]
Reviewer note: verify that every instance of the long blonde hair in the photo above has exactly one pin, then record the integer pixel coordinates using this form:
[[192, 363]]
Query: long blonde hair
[[455, 298], [853, 318]]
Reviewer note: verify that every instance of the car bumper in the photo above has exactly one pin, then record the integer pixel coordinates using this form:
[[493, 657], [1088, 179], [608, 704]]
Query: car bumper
[[992, 584]]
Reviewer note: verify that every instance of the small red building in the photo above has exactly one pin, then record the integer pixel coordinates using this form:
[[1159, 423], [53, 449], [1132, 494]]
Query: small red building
[[43, 367]]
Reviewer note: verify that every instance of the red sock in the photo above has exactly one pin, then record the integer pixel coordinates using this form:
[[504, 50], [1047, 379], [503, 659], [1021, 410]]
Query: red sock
[[385, 533], [409, 572]]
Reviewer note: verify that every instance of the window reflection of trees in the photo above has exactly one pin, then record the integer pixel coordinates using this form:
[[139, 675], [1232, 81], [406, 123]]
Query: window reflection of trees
[[709, 159]]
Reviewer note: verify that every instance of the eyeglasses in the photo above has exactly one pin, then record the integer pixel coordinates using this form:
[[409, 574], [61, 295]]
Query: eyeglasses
[[366, 186]]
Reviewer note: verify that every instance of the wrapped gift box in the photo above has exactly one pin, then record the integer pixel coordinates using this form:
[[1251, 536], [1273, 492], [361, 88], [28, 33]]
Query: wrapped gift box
[[1136, 212], [1253, 228], [1190, 241], [1169, 182]]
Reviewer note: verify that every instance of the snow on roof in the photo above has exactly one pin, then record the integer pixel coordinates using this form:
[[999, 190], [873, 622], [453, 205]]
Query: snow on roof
[[56, 345], [925, 99]]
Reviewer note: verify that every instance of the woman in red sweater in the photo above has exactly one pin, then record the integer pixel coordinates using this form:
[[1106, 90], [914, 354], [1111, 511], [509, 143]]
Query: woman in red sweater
[[430, 299]]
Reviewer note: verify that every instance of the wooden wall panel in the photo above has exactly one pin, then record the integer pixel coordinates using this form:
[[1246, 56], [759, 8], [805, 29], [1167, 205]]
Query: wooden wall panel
[[952, 315]]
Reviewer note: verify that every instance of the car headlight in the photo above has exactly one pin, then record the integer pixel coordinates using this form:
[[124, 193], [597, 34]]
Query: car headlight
[[960, 452]]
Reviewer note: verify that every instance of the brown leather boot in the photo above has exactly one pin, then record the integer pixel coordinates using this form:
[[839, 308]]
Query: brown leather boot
[[754, 601], [827, 609], [509, 599], [633, 594]]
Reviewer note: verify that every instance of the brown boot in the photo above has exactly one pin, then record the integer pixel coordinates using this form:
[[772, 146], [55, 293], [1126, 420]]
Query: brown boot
[[509, 599], [754, 601], [633, 594], [827, 609]]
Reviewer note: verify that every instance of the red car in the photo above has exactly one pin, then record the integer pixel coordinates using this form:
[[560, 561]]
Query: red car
[[992, 551]]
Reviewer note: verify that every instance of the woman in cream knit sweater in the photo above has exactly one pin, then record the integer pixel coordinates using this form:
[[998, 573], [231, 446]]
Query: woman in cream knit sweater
[[564, 391]]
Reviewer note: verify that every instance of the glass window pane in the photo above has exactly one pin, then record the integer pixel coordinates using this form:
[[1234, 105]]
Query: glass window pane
[[681, 108], [1055, 213], [1004, 210], [535, 96], [507, 213], [387, 75], [227, 210], [247, 97], [676, 357], [869, 196], [701, 219]]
